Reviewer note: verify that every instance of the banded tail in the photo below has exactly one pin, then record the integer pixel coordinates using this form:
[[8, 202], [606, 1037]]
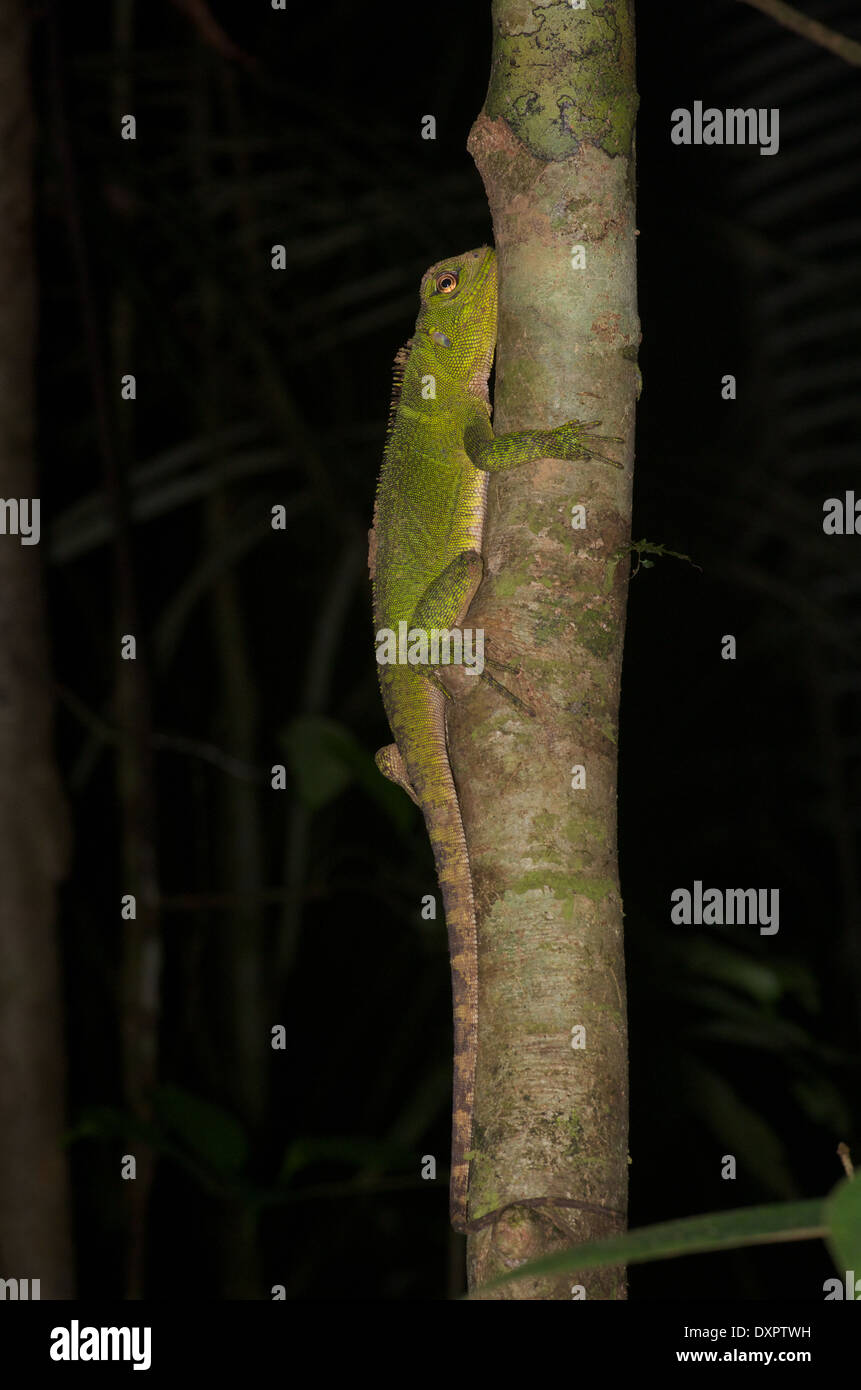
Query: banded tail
[[419, 763], [445, 828], [434, 785]]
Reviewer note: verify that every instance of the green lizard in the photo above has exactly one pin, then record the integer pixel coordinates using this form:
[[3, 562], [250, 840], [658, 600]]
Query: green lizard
[[425, 564]]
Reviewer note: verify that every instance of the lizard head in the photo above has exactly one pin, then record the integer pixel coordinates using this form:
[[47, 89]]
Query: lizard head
[[458, 312]]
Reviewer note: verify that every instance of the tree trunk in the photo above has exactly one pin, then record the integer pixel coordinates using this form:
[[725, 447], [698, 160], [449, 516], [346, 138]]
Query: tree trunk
[[554, 145], [35, 1240]]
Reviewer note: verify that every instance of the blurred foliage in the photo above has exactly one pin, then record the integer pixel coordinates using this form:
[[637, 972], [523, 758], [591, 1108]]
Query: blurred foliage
[[325, 758]]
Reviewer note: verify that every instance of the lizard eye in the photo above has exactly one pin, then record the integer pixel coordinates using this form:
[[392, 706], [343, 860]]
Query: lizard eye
[[446, 282]]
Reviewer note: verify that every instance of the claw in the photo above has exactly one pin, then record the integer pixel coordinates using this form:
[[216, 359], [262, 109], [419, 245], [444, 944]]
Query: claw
[[508, 694]]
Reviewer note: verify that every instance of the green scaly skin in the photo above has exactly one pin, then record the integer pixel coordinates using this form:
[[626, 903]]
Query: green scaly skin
[[425, 564]]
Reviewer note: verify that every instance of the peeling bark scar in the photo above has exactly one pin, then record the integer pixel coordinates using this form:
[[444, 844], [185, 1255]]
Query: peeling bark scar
[[563, 125], [528, 104]]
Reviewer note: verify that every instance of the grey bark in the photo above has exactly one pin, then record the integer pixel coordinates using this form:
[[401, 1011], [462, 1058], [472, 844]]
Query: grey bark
[[554, 145]]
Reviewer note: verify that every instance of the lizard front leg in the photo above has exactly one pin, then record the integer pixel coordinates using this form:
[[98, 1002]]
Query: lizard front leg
[[495, 453]]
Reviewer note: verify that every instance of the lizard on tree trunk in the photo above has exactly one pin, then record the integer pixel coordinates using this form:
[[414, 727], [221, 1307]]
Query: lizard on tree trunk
[[425, 564]]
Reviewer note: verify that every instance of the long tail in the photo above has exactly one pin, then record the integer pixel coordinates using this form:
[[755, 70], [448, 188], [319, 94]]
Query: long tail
[[430, 774], [445, 829]]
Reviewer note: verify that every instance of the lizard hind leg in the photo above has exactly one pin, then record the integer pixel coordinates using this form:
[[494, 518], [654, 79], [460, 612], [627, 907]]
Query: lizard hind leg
[[440, 612], [391, 765]]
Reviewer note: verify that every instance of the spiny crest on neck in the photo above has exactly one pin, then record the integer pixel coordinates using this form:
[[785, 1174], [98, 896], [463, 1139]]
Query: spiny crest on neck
[[401, 358]]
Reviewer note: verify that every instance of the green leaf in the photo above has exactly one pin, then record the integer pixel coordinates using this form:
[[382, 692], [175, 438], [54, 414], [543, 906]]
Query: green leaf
[[722, 962], [796, 979], [742, 1130], [350, 1150], [105, 1122], [843, 1211], [759, 1031], [325, 758], [823, 1102], [644, 548], [209, 1132], [318, 756], [722, 1230]]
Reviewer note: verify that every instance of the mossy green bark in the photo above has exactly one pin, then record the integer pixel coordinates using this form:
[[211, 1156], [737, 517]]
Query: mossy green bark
[[554, 145], [561, 78]]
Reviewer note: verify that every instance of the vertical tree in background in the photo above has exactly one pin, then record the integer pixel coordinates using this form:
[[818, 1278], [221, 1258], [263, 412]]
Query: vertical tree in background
[[34, 1210], [554, 144]]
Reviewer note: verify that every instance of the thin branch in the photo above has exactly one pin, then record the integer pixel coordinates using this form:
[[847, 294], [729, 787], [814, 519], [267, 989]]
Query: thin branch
[[847, 49], [212, 33], [846, 1159], [227, 902], [141, 941], [173, 743], [237, 768]]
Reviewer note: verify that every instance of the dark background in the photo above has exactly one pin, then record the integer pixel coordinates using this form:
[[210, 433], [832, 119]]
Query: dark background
[[301, 907]]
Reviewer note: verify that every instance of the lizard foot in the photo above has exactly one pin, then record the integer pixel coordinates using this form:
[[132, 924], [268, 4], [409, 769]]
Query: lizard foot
[[391, 765]]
